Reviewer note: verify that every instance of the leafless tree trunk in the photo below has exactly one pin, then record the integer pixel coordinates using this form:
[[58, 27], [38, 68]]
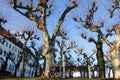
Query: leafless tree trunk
[[114, 50], [88, 24], [64, 49], [88, 62], [40, 22]]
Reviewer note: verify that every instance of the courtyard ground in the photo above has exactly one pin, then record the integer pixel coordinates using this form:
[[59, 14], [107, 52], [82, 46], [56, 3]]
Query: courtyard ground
[[38, 78]]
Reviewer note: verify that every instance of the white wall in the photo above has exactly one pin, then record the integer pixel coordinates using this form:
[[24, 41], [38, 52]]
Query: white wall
[[14, 49]]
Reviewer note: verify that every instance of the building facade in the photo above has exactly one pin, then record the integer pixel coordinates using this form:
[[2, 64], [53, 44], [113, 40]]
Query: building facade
[[11, 51]]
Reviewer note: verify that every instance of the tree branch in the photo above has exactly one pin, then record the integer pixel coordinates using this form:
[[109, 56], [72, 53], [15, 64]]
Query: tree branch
[[88, 39], [61, 20], [115, 7], [105, 38]]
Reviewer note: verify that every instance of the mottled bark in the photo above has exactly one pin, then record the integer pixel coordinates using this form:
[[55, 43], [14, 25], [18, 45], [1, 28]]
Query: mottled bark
[[89, 68], [115, 53], [40, 22], [49, 65], [101, 63]]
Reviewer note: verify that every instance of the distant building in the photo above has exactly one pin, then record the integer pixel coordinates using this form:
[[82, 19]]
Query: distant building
[[10, 45]]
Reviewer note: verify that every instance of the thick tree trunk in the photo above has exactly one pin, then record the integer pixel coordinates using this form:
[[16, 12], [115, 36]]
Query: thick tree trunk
[[116, 53], [115, 63], [49, 64], [100, 59]]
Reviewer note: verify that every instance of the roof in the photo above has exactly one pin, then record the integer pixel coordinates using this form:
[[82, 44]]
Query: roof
[[10, 37]]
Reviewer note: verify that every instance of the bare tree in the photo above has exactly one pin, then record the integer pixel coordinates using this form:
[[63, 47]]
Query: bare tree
[[26, 36], [108, 62], [17, 65], [114, 49], [88, 23], [99, 46], [64, 49], [87, 60], [38, 57], [40, 21]]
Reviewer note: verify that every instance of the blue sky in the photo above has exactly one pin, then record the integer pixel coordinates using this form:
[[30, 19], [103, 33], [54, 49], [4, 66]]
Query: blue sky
[[19, 22]]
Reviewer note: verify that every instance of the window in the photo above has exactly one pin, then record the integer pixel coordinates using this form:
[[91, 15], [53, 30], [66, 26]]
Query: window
[[18, 51], [5, 53], [13, 48], [10, 46], [0, 39], [0, 51], [3, 40], [6, 44]]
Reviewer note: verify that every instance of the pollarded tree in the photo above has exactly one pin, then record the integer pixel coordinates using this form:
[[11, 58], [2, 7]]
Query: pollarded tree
[[40, 19], [10, 55], [17, 65], [64, 49], [37, 58], [114, 48], [88, 60], [100, 54], [88, 23], [26, 36]]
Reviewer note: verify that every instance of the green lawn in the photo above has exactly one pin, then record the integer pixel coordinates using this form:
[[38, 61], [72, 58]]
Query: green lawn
[[38, 78]]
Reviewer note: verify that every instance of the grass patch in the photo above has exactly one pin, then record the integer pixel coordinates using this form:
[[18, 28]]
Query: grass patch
[[39, 78]]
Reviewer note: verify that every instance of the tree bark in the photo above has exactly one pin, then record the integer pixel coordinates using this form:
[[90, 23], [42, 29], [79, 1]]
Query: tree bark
[[41, 24], [23, 59], [23, 65], [63, 65], [17, 66], [89, 68], [100, 59], [49, 65]]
